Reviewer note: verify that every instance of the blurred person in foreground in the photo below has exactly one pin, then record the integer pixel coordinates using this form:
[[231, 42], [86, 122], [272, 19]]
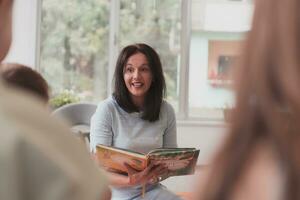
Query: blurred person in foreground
[[39, 158], [25, 78], [260, 158]]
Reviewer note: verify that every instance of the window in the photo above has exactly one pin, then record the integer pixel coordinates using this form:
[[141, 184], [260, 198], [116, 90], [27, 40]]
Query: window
[[216, 39], [158, 24], [75, 37], [80, 41], [74, 40]]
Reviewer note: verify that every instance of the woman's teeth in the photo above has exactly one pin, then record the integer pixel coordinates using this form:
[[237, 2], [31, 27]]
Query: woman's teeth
[[137, 84]]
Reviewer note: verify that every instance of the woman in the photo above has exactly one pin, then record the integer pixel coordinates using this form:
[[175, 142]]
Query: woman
[[137, 118], [260, 158]]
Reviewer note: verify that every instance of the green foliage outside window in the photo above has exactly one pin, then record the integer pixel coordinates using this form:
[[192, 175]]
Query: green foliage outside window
[[63, 98], [74, 40], [157, 23], [75, 35]]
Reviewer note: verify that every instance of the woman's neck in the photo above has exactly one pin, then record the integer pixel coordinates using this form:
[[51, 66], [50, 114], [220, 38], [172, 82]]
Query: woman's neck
[[138, 102]]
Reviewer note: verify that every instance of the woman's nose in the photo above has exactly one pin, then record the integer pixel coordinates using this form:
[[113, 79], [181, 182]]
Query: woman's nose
[[136, 74]]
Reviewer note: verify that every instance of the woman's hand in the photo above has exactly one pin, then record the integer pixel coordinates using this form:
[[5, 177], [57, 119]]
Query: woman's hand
[[148, 175]]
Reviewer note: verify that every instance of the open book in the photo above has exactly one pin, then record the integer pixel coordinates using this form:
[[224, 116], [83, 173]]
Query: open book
[[180, 161]]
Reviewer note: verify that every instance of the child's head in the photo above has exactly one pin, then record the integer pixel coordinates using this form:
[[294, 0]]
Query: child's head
[[25, 78]]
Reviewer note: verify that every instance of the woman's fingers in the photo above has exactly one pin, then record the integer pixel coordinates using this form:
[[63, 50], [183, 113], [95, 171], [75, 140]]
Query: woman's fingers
[[149, 168], [158, 176], [153, 180], [157, 172], [151, 174], [138, 177], [129, 168]]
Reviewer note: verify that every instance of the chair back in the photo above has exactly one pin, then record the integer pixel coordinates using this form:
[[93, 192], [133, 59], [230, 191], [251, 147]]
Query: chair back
[[78, 115]]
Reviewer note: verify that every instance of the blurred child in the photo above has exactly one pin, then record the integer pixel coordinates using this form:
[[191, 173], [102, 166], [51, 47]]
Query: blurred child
[[25, 78], [260, 158], [39, 159]]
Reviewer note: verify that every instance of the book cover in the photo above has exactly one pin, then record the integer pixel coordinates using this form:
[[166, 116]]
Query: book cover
[[180, 161], [113, 159]]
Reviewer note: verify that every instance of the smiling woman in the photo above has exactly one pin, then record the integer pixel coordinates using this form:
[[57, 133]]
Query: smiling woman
[[136, 118]]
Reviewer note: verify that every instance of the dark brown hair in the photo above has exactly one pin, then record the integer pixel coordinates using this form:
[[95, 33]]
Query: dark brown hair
[[25, 78], [268, 101], [156, 91]]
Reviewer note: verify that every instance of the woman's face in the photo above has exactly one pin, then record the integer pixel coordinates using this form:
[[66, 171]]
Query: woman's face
[[137, 77]]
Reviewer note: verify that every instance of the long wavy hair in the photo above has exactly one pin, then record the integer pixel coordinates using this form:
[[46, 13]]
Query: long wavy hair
[[267, 101]]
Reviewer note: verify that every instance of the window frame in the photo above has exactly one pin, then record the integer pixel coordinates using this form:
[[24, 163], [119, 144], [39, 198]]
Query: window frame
[[38, 36], [182, 115]]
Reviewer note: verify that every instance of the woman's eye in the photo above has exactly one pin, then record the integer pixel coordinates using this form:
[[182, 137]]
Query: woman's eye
[[130, 70], [145, 69]]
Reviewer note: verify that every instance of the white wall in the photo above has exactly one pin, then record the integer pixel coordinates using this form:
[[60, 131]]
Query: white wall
[[222, 15], [207, 137], [23, 46]]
